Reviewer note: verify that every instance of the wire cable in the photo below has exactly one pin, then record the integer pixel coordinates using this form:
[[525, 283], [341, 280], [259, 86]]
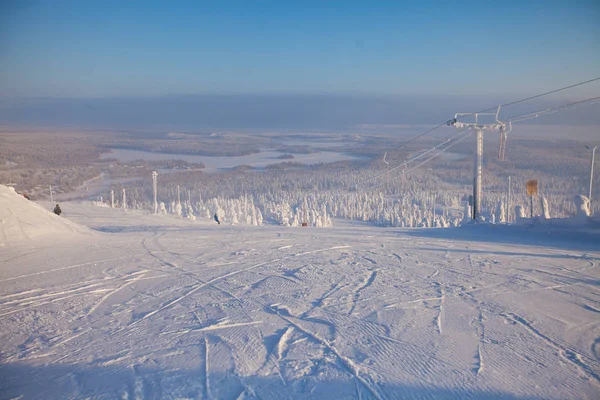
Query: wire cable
[[552, 110], [502, 105], [398, 148], [513, 119], [550, 92], [478, 112], [534, 97], [408, 161], [469, 132]]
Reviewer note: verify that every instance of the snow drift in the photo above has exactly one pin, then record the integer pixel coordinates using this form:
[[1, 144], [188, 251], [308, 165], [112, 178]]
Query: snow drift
[[21, 219]]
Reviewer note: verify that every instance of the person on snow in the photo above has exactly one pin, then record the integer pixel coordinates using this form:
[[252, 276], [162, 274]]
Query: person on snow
[[57, 210], [217, 219]]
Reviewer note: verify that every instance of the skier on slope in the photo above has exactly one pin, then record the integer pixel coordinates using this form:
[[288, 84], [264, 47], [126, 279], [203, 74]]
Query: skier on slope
[[217, 219], [57, 210]]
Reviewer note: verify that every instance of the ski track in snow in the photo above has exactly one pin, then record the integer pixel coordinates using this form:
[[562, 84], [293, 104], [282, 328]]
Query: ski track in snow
[[350, 366], [438, 319], [207, 394], [567, 354], [68, 267], [357, 313], [195, 288], [365, 284], [481, 333], [283, 342], [213, 328], [111, 293]]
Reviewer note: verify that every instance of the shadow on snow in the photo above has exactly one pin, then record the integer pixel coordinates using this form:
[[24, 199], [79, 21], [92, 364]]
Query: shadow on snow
[[24, 381], [565, 238]]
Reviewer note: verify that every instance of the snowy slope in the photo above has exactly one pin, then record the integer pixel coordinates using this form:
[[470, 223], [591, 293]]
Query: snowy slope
[[157, 307], [21, 219]]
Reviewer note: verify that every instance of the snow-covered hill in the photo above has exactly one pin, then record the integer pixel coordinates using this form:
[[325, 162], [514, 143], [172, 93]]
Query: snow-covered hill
[[21, 219], [153, 307]]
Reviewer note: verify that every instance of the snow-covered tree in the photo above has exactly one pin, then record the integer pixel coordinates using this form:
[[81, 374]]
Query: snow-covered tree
[[162, 209], [545, 209], [500, 213]]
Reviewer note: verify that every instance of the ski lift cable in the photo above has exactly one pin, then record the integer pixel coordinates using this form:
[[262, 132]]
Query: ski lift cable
[[404, 144], [515, 119], [501, 105], [425, 161], [536, 96], [552, 110], [411, 159], [468, 133], [537, 114], [451, 121], [408, 161]]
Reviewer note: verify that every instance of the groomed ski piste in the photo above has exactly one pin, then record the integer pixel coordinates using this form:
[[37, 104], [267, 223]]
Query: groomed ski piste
[[116, 304]]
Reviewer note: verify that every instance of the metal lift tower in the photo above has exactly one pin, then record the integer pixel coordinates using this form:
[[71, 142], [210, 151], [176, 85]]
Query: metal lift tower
[[479, 128], [154, 189]]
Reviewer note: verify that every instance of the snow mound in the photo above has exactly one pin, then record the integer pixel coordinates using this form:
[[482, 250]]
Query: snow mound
[[21, 219]]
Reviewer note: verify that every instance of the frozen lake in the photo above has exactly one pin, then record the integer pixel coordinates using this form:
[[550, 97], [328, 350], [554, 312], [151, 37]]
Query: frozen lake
[[258, 160]]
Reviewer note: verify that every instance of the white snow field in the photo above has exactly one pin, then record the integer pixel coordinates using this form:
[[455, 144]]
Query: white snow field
[[22, 219], [155, 307]]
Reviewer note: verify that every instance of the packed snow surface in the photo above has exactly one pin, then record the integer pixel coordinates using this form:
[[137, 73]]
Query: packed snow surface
[[21, 219], [153, 307]]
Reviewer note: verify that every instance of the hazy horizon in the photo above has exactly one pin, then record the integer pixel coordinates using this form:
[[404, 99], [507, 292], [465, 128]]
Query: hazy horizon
[[288, 112], [310, 65]]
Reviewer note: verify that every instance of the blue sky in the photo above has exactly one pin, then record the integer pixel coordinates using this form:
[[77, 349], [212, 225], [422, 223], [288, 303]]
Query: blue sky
[[145, 48]]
